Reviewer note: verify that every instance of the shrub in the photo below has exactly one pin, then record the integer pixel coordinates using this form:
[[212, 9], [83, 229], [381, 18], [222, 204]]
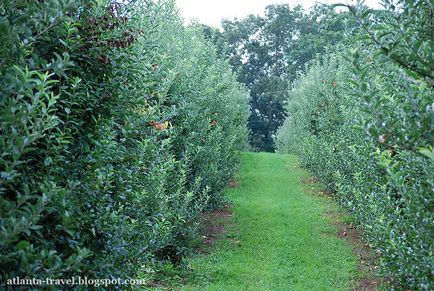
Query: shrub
[[363, 125], [118, 127]]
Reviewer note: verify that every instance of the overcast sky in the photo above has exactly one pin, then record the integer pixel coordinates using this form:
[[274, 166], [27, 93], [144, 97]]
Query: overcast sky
[[211, 12]]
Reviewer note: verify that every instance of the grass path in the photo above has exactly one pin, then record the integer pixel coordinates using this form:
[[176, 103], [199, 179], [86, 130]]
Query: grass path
[[281, 240]]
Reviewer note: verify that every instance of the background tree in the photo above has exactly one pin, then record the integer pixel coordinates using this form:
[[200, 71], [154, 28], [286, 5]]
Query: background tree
[[270, 51]]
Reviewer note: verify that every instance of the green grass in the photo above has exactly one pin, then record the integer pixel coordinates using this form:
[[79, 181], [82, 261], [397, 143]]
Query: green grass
[[281, 239]]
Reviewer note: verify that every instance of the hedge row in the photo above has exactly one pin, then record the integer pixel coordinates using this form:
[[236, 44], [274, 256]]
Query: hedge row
[[363, 124], [118, 127]]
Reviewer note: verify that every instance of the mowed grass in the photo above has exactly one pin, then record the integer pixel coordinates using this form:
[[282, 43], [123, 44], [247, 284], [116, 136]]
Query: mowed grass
[[280, 238]]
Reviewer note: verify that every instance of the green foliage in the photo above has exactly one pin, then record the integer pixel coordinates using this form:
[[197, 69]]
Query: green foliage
[[270, 51], [118, 126], [364, 123]]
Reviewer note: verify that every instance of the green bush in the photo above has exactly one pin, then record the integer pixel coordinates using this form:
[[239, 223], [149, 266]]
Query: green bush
[[363, 124], [118, 127]]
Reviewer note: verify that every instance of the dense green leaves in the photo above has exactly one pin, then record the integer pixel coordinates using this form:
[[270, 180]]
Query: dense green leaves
[[270, 51], [118, 127], [363, 124]]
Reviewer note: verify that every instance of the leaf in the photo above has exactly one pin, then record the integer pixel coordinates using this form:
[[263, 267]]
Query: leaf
[[428, 152], [48, 161], [22, 245]]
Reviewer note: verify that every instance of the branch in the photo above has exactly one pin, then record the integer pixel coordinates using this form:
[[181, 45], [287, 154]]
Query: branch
[[386, 51]]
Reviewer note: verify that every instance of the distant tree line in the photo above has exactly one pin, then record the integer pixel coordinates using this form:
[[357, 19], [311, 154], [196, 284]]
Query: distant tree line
[[269, 52]]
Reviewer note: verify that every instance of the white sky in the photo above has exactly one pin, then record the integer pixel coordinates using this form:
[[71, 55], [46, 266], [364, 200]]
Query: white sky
[[211, 12]]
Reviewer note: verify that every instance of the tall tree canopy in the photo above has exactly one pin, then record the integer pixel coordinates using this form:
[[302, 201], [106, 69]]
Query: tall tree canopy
[[269, 51]]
